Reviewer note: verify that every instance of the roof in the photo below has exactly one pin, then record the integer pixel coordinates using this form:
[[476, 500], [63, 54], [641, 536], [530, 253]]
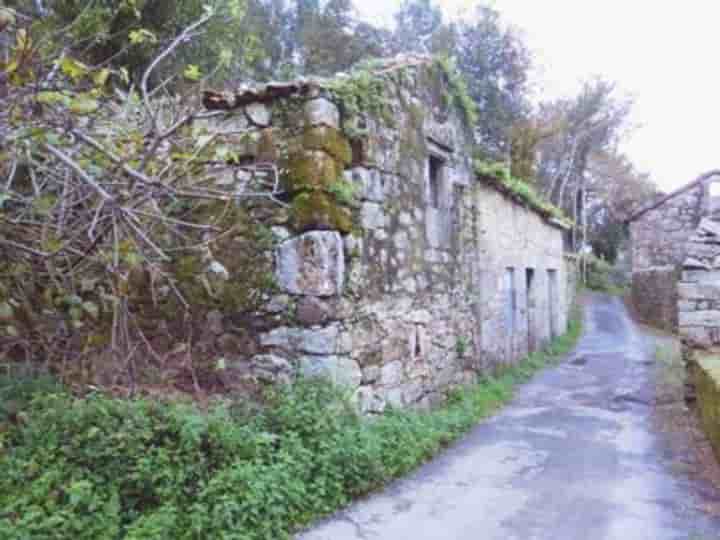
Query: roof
[[665, 198], [267, 92]]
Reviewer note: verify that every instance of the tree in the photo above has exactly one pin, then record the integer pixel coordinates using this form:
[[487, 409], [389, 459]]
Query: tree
[[416, 23], [106, 197], [495, 63]]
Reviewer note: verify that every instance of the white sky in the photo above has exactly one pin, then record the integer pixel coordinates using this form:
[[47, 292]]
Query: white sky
[[664, 54]]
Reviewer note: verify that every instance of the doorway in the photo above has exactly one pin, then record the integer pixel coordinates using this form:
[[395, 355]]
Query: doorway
[[530, 298]]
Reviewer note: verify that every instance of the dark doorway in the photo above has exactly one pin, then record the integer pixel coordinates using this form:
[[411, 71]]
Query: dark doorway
[[530, 296], [553, 302]]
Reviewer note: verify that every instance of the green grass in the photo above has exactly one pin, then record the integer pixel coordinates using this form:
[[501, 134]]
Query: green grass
[[499, 175], [104, 468]]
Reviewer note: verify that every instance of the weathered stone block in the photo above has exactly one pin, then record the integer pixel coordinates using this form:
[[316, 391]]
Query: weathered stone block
[[391, 374], [369, 182], [312, 340], [699, 318], [312, 264], [372, 216], [699, 291], [271, 368], [329, 140], [311, 169], [312, 311], [258, 114], [321, 111], [369, 401], [701, 276], [341, 370], [319, 210]]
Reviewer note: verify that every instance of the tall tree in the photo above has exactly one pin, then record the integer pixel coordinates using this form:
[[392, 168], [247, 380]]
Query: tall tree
[[495, 63], [416, 22]]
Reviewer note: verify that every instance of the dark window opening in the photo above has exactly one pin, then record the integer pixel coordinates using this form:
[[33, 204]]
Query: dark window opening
[[436, 169]]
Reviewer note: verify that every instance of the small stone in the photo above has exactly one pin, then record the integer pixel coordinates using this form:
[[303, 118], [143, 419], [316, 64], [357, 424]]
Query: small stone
[[371, 374], [368, 401], [258, 114], [312, 311], [230, 344], [280, 233], [370, 183], [215, 322], [217, 268], [322, 112], [278, 304], [353, 245], [391, 374], [341, 370], [372, 216], [312, 264], [311, 340], [271, 368]]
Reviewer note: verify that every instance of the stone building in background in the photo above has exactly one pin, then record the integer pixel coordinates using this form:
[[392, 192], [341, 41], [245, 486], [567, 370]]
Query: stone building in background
[[675, 263], [399, 271]]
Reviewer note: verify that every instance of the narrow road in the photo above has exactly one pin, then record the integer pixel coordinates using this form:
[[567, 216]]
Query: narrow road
[[573, 457]]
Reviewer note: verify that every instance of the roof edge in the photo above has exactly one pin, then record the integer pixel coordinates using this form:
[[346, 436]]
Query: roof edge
[[662, 200]]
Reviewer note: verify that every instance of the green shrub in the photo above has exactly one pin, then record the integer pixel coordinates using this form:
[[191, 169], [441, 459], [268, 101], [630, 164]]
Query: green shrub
[[602, 276], [104, 468]]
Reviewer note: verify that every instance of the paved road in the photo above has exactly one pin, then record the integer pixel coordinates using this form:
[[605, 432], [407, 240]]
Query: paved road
[[574, 457]]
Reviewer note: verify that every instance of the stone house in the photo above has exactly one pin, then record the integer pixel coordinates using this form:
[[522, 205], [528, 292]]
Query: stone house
[[429, 275], [675, 255]]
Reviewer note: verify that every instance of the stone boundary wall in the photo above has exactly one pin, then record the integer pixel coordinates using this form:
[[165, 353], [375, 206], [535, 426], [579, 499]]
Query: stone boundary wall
[[706, 371], [699, 288], [397, 272], [659, 243], [659, 236], [655, 295]]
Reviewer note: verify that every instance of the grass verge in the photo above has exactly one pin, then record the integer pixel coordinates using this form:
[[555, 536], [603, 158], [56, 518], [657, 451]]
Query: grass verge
[[103, 468]]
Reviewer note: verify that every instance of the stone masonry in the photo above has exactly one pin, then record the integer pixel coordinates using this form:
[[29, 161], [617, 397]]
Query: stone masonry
[[422, 279], [660, 236]]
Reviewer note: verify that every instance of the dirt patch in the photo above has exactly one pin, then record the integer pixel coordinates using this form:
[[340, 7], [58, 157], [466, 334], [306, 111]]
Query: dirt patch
[[689, 451]]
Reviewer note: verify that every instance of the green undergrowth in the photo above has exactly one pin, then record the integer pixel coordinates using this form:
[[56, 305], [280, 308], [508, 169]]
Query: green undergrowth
[[103, 468], [603, 276], [499, 175]]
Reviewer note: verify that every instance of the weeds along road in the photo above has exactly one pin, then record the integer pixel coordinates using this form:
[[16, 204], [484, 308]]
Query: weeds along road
[[573, 457]]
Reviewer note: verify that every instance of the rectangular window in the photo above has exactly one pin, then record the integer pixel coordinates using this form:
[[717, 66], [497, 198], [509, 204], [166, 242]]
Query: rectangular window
[[435, 167]]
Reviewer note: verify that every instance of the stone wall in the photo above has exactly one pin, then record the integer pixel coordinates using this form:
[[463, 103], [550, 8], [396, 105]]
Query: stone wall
[[699, 288], [659, 240], [706, 374], [398, 272], [659, 236], [655, 296]]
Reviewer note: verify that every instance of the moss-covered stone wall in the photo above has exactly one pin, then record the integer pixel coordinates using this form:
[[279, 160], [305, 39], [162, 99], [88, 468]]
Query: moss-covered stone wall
[[707, 383], [392, 258]]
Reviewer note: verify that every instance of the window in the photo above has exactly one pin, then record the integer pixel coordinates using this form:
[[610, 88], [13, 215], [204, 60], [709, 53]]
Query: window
[[435, 168]]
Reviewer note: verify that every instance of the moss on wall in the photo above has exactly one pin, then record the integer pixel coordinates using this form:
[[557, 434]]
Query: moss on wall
[[320, 210], [330, 141], [707, 381], [311, 170]]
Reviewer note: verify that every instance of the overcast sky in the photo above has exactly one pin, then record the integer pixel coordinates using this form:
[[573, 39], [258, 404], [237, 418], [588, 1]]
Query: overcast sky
[[663, 54]]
